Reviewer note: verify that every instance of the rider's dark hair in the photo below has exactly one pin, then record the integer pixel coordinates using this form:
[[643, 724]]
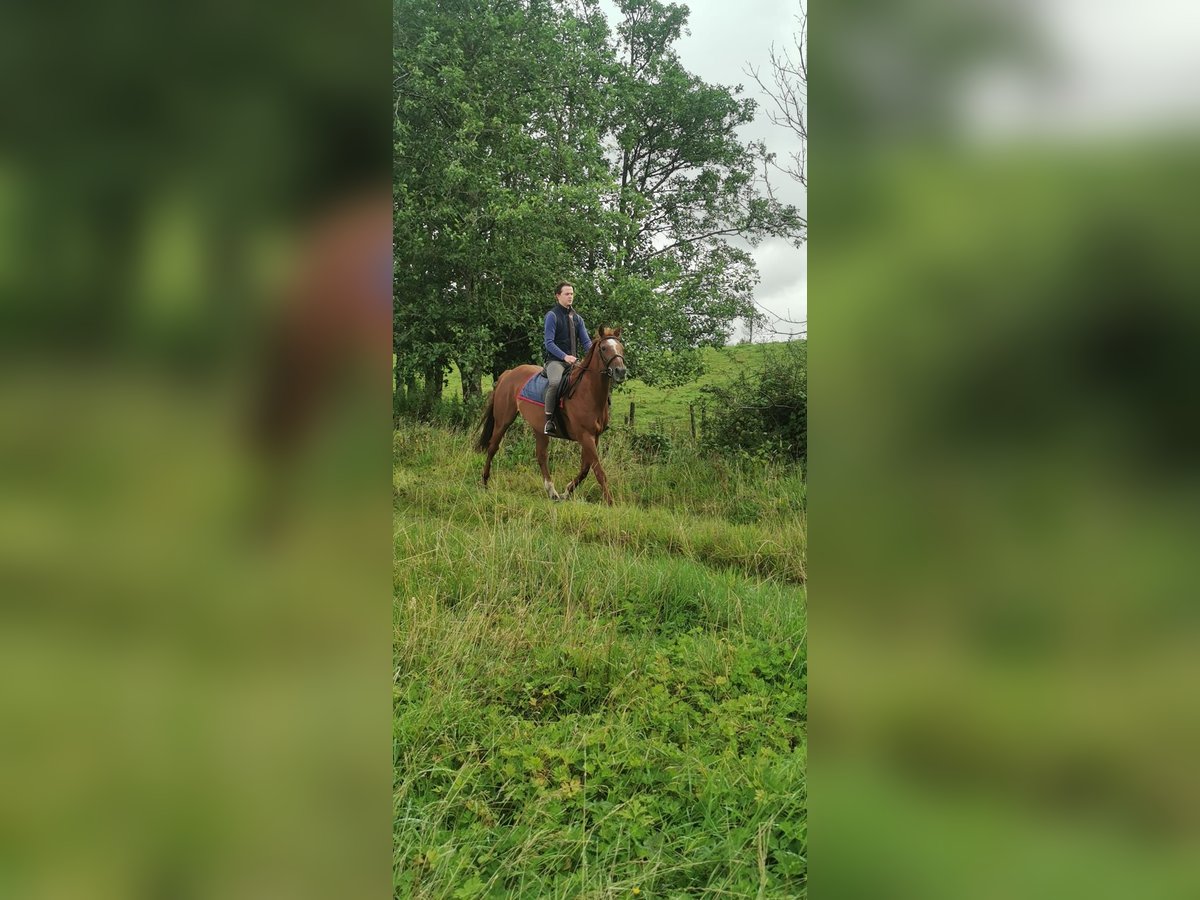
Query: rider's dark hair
[[561, 285]]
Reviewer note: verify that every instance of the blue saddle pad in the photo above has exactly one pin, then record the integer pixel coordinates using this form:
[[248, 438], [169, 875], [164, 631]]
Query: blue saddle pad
[[535, 389]]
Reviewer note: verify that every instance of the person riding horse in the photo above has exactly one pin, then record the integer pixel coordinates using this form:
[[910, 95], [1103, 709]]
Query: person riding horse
[[566, 340], [585, 416]]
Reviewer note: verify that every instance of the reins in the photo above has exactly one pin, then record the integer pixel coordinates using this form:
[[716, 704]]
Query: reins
[[606, 365]]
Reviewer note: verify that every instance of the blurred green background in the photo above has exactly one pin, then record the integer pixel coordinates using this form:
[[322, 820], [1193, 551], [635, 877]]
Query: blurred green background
[[1003, 454], [194, 589]]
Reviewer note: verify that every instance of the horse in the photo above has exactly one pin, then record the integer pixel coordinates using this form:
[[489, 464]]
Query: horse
[[585, 411]]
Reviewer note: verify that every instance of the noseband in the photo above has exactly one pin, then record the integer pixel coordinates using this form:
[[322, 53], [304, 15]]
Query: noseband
[[607, 363]]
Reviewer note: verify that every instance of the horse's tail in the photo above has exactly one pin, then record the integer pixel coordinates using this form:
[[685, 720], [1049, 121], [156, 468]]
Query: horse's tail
[[488, 424]]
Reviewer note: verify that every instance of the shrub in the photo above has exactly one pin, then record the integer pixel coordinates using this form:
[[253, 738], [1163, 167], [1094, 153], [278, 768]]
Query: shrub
[[763, 414], [649, 445], [453, 413]]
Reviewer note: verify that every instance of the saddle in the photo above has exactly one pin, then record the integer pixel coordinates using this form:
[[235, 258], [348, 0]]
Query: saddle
[[565, 390], [534, 391], [569, 383]]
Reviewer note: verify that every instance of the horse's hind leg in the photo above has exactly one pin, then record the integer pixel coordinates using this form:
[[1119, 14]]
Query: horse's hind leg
[[504, 419], [493, 446], [487, 466], [541, 450]]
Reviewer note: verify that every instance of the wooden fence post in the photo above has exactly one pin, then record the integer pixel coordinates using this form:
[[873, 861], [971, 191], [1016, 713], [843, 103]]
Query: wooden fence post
[[692, 416], [630, 413]]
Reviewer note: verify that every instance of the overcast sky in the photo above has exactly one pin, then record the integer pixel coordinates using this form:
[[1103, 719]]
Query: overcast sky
[[726, 37], [1108, 70]]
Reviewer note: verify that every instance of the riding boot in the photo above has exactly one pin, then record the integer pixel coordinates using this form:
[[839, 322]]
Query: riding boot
[[551, 402], [551, 399]]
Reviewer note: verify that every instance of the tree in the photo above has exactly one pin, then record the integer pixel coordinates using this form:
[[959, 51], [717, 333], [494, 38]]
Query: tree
[[491, 148], [532, 146], [687, 186]]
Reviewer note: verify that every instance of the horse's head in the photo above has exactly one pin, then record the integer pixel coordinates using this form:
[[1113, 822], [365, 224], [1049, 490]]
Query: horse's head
[[612, 353]]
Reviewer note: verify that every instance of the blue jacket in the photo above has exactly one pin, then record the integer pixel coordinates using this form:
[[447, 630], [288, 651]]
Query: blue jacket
[[558, 334]]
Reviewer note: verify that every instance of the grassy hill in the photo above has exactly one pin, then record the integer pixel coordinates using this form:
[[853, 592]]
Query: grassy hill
[[668, 407], [593, 701]]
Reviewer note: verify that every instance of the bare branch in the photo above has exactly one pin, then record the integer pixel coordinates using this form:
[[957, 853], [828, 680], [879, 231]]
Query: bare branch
[[787, 87]]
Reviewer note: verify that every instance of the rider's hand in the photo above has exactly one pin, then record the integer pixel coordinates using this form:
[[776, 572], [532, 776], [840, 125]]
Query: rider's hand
[[570, 360]]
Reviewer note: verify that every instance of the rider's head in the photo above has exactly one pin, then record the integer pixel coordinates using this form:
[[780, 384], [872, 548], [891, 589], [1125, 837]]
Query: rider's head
[[565, 293]]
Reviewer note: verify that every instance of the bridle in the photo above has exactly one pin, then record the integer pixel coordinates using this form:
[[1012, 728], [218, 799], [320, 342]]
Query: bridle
[[607, 363]]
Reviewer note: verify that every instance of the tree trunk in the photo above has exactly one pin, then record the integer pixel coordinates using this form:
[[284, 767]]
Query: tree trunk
[[434, 382], [471, 382]]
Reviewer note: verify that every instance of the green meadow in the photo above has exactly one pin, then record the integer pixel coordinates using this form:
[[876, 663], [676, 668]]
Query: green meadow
[[595, 701]]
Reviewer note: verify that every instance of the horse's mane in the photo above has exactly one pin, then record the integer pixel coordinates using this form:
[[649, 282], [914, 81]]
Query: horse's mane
[[582, 366]]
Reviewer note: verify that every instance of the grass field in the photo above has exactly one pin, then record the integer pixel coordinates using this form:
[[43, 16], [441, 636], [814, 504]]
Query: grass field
[[590, 701]]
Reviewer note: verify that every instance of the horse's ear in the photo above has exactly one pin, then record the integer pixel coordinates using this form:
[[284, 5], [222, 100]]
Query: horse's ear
[[605, 331], [617, 333]]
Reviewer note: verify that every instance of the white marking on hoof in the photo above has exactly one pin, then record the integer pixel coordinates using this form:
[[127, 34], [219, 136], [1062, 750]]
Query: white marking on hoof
[[550, 491]]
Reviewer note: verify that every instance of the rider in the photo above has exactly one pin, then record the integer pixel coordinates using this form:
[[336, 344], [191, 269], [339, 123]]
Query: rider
[[566, 338]]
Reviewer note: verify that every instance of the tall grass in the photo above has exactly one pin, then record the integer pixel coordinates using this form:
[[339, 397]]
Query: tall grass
[[593, 701]]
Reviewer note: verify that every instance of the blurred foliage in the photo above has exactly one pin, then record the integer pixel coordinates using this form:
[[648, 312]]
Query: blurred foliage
[[190, 625], [1007, 638], [1009, 455], [151, 180]]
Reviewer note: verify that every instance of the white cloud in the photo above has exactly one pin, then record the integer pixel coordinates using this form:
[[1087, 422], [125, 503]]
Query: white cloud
[[784, 286]]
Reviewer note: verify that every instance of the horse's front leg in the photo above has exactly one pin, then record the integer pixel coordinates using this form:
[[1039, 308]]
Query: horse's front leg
[[541, 450], [585, 465], [591, 453]]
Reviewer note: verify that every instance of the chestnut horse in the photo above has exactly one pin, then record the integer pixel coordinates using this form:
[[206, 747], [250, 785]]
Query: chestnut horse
[[585, 412]]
